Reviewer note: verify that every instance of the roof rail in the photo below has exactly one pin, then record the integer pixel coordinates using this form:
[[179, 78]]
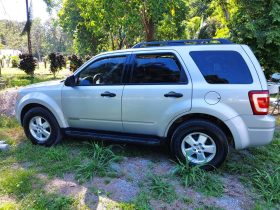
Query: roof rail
[[182, 42]]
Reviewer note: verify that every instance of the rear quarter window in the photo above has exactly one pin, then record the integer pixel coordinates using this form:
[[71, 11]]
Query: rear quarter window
[[222, 67]]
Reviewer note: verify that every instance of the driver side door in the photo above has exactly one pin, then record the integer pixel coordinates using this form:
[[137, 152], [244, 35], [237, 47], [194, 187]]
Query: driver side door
[[95, 101]]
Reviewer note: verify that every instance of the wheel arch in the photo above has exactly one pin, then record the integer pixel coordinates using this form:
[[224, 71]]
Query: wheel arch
[[200, 116], [30, 106]]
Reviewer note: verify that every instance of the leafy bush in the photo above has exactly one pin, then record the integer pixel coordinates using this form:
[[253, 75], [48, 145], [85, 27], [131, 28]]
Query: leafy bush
[[15, 61], [75, 62], [57, 62], [28, 64]]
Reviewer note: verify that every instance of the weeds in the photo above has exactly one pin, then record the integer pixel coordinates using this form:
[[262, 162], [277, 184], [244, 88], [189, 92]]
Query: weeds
[[16, 182], [268, 184], [43, 200], [206, 182], [8, 122], [160, 189], [55, 161], [98, 162], [142, 202], [259, 168]]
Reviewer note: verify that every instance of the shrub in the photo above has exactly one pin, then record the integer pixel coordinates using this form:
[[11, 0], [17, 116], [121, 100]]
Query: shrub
[[57, 62], [75, 62], [28, 64], [15, 61]]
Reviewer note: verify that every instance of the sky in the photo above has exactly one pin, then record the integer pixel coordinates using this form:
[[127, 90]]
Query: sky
[[16, 10]]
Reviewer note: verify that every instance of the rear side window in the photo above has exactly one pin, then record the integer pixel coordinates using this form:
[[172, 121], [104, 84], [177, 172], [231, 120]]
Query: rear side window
[[222, 67], [157, 69]]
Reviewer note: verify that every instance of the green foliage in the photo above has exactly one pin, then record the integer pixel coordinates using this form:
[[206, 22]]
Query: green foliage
[[43, 200], [268, 184], [57, 62], [257, 24], [16, 182], [7, 122], [161, 189], [206, 182], [260, 169], [27, 64], [62, 158], [105, 25], [98, 162], [142, 202], [75, 62], [15, 61]]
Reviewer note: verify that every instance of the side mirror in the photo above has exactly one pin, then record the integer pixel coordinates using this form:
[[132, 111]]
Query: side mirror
[[70, 81]]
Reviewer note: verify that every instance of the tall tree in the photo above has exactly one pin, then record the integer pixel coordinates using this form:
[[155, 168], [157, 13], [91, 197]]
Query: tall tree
[[102, 25], [27, 27], [257, 24]]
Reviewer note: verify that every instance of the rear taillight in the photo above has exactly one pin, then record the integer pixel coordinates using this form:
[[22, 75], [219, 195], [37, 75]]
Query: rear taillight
[[259, 100]]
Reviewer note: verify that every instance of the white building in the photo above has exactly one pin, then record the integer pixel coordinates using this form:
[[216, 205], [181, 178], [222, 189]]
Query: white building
[[9, 52]]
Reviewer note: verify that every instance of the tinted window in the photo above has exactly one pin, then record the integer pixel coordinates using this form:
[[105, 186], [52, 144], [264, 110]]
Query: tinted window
[[157, 68], [107, 71], [222, 67]]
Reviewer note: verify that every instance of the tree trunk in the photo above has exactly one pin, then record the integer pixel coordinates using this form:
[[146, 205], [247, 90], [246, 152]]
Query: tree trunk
[[225, 10], [28, 29], [148, 24]]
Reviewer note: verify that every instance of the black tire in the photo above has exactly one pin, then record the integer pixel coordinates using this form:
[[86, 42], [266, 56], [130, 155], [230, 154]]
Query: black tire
[[205, 127], [55, 134]]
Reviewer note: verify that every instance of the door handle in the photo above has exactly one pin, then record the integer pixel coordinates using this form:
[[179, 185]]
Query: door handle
[[173, 94], [108, 94]]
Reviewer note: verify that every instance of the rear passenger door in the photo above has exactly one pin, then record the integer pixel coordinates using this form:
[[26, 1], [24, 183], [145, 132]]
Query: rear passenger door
[[158, 89]]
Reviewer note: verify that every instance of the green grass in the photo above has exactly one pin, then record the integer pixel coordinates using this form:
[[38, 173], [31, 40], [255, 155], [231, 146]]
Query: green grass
[[259, 170], [142, 201], [267, 184], [7, 122], [47, 201], [161, 189], [97, 162], [208, 183], [28, 191], [16, 182], [16, 77]]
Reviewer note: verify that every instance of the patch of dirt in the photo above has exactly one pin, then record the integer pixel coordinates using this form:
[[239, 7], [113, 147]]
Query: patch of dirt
[[106, 192], [117, 189], [6, 199], [133, 168], [66, 186], [8, 101]]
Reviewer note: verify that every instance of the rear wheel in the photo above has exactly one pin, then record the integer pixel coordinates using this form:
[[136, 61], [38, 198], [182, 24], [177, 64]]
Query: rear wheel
[[41, 127], [200, 143]]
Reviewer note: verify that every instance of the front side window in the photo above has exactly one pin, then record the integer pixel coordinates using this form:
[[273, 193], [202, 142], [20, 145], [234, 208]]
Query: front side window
[[107, 71], [157, 69], [222, 67]]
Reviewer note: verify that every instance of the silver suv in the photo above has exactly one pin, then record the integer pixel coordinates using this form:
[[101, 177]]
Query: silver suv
[[198, 96]]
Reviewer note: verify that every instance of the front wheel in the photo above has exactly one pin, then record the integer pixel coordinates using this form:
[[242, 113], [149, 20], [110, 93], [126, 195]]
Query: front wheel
[[200, 142], [41, 127]]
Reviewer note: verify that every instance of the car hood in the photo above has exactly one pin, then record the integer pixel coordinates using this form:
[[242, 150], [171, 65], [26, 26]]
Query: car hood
[[48, 84]]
